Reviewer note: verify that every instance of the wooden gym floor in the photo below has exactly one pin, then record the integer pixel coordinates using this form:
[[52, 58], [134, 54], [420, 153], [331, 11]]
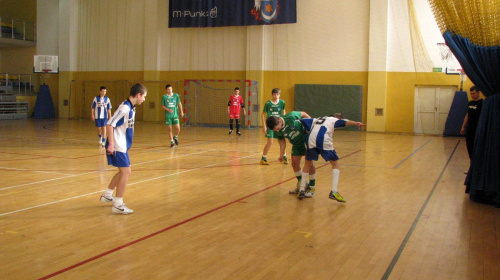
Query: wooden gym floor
[[207, 209]]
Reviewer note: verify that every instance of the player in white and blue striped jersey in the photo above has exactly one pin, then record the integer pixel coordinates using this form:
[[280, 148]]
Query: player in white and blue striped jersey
[[120, 132], [101, 112], [319, 141]]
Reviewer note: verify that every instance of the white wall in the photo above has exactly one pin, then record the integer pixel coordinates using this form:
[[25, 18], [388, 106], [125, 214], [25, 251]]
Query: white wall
[[319, 41], [47, 28], [329, 36]]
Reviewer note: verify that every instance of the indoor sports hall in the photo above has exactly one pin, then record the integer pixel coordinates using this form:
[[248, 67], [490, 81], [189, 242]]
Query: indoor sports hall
[[207, 208]]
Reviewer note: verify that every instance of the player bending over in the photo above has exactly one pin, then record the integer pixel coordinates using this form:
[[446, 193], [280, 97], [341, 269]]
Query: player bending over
[[290, 127], [319, 141]]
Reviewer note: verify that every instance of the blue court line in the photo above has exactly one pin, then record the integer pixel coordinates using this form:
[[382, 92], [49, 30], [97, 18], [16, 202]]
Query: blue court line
[[403, 161], [417, 219]]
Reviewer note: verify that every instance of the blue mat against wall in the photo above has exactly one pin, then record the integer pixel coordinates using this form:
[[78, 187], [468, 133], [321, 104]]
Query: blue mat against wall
[[457, 113], [44, 106]]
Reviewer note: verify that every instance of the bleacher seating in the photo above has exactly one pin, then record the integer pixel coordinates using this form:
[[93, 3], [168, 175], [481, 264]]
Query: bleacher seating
[[10, 108]]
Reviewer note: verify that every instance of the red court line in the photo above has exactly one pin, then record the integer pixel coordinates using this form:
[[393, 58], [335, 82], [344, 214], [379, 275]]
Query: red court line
[[156, 233], [171, 227]]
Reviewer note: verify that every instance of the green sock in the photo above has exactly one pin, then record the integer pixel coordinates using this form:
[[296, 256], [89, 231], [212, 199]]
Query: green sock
[[312, 181]]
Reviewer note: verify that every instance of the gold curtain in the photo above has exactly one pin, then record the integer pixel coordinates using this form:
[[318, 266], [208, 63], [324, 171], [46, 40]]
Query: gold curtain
[[476, 20]]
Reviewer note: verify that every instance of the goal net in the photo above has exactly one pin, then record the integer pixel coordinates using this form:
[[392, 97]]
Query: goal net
[[205, 102]]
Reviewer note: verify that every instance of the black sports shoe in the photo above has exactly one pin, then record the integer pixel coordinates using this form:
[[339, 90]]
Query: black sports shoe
[[172, 144], [176, 141], [239, 133], [230, 131]]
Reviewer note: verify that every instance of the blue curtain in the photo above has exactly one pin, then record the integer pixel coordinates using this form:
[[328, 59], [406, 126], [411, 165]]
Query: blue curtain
[[482, 66]]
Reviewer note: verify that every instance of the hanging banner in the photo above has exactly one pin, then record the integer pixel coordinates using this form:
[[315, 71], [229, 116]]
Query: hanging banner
[[216, 13]]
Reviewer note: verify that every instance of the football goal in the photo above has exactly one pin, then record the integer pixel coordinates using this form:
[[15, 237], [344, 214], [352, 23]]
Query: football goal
[[205, 102]]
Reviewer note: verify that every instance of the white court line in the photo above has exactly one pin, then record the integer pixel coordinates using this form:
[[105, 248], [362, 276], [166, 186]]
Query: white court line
[[46, 204], [17, 169], [147, 180], [86, 173]]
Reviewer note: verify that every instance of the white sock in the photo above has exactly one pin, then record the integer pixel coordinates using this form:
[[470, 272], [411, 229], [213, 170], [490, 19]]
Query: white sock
[[305, 177], [118, 201], [335, 180], [108, 192]]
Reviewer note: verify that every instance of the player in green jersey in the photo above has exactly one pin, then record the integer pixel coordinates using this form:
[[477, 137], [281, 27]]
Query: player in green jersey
[[171, 103], [290, 127], [273, 107]]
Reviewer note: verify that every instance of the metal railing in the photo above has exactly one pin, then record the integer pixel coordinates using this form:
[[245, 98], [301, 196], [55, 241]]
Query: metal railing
[[17, 29], [19, 84]]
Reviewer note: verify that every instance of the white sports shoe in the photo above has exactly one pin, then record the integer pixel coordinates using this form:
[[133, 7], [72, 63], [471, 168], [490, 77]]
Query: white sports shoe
[[122, 209], [310, 191], [297, 188], [105, 198]]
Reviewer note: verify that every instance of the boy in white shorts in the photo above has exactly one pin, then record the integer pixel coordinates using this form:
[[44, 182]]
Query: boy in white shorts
[[120, 130]]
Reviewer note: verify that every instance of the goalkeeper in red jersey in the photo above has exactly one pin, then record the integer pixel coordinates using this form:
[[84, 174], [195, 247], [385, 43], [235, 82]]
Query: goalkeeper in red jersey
[[234, 107]]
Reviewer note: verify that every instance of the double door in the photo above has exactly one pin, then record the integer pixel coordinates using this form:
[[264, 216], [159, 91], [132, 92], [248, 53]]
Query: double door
[[432, 105]]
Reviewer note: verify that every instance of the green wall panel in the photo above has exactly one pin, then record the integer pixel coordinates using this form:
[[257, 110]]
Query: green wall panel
[[325, 100]]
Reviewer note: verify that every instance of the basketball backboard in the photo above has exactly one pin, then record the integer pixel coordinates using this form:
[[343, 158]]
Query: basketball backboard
[[46, 64], [449, 62]]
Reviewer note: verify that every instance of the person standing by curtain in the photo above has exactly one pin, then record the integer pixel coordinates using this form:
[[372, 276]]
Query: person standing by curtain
[[471, 119]]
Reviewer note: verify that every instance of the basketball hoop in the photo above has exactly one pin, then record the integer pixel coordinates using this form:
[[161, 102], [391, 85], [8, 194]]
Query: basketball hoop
[[46, 72], [446, 54]]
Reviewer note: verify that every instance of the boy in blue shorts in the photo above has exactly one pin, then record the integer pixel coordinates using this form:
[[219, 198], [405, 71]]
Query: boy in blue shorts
[[171, 103], [319, 141], [100, 113], [120, 133]]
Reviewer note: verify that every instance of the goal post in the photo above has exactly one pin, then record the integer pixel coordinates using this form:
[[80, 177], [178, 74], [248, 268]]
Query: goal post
[[205, 102]]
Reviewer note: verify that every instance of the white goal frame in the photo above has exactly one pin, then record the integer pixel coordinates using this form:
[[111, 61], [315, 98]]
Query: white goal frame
[[197, 111]]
